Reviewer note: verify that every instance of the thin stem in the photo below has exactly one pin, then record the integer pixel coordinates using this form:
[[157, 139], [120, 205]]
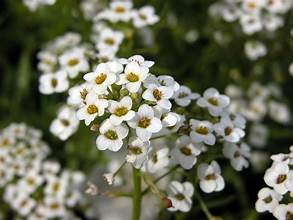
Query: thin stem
[[203, 205], [160, 177], [137, 195]]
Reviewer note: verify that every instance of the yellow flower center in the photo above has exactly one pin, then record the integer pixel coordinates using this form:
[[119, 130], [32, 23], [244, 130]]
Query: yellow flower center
[[120, 9], [120, 111], [92, 109], [144, 122], [155, 158], [132, 77], [101, 78], [142, 16], [180, 196], [268, 199], [281, 178], [65, 122], [73, 62], [109, 41], [213, 101], [157, 94], [210, 177], [202, 130], [54, 82], [83, 93], [111, 134], [135, 150], [228, 131], [186, 150]]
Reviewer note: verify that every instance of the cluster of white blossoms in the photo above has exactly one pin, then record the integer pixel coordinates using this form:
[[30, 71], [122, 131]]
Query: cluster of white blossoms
[[259, 101], [130, 108], [33, 5], [277, 198], [64, 60], [255, 104], [109, 34], [34, 187], [253, 15]]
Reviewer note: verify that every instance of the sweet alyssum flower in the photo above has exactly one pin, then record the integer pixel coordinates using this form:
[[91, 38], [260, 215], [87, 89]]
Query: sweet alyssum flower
[[255, 50], [109, 40], [137, 152], [180, 195], [144, 16], [183, 96], [210, 177], [111, 136], [65, 124], [121, 111], [157, 160], [214, 101], [201, 132], [53, 82], [74, 62], [133, 76], [145, 123], [185, 152], [93, 107], [238, 155], [268, 200]]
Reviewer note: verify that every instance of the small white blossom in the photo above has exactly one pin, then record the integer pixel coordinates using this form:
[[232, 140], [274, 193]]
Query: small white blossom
[[180, 195], [201, 131], [111, 136], [210, 177], [268, 200], [53, 82], [144, 16], [121, 111], [145, 123], [183, 96], [137, 152]]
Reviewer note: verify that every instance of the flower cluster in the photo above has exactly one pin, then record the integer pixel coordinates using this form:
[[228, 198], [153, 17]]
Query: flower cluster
[[33, 5], [254, 50], [66, 58], [279, 177], [253, 15], [108, 34], [34, 187], [130, 108]]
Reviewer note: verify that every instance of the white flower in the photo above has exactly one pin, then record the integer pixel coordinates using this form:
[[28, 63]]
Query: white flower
[[145, 123], [159, 94], [119, 11], [133, 76], [251, 23], [255, 110], [214, 101], [283, 158], [92, 189], [253, 6], [158, 160], [109, 40], [54, 208], [77, 94], [139, 60], [228, 131], [53, 82], [279, 112], [268, 200], [56, 187], [48, 61], [185, 153], [65, 124], [93, 107], [101, 79], [272, 22], [258, 135], [210, 177], [255, 49], [137, 152], [111, 136], [23, 204], [168, 81], [201, 131], [144, 16], [284, 212], [291, 69], [74, 62], [31, 181], [279, 177], [180, 195], [237, 154], [183, 96], [121, 111]]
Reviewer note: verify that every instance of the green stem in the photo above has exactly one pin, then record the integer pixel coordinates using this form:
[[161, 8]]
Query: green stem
[[137, 195], [203, 205]]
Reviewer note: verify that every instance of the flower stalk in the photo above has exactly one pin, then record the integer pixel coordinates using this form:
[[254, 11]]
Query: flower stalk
[[137, 195]]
